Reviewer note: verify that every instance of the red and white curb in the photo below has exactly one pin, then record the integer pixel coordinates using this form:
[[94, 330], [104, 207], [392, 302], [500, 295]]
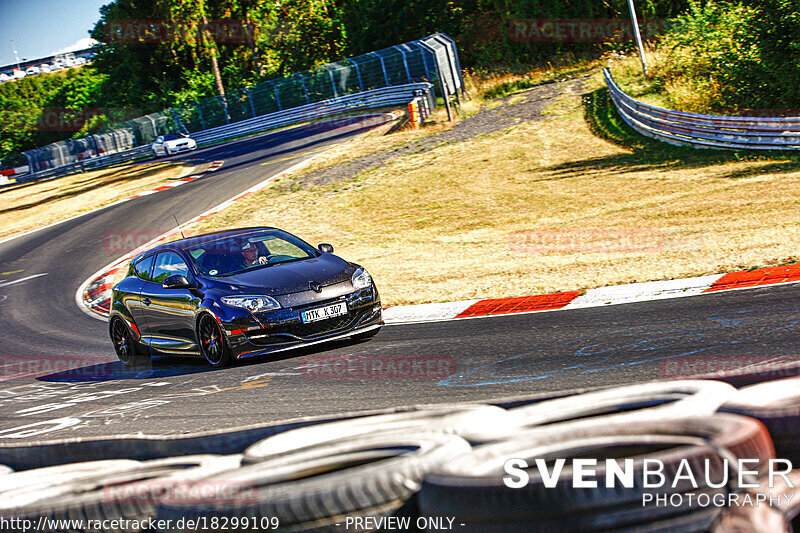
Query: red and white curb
[[14, 171], [181, 181], [618, 294]]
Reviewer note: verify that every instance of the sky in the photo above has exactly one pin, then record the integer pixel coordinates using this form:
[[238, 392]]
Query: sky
[[43, 27]]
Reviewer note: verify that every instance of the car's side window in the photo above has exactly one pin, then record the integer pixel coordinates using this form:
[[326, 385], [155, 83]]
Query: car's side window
[[143, 267], [169, 264], [160, 140]]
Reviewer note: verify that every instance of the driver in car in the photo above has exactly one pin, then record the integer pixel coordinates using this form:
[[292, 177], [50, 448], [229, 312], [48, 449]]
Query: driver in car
[[251, 255]]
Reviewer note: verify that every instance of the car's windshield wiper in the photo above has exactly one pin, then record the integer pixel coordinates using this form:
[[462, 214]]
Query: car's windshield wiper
[[259, 266]]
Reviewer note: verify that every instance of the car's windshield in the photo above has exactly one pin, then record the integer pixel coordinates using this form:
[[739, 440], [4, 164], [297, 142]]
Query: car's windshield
[[224, 256], [171, 137]]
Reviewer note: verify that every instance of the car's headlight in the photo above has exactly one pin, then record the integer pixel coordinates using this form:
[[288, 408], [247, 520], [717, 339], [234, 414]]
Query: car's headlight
[[254, 304], [361, 279]]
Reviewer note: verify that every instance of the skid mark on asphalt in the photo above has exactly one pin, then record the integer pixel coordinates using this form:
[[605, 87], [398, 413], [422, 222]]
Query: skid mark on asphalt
[[599, 355], [58, 397]]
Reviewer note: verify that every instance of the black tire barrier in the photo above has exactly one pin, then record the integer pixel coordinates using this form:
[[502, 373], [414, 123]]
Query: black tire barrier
[[777, 405], [471, 487], [630, 403], [765, 518], [222, 442], [316, 487], [456, 419], [117, 492], [311, 474]]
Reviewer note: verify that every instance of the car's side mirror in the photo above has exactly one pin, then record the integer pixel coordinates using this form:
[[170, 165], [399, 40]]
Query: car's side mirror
[[177, 281], [325, 248]]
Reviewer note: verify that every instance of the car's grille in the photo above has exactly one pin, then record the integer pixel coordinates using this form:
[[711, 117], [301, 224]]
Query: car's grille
[[276, 333], [321, 327]]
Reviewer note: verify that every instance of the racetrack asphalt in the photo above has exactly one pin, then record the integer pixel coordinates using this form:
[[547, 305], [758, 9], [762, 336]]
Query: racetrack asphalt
[[59, 377]]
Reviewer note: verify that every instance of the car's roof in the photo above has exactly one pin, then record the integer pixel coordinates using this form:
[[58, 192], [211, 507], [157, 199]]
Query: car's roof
[[189, 242]]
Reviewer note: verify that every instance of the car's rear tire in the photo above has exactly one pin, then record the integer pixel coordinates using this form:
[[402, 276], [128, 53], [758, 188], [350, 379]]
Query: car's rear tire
[[212, 341], [366, 335], [128, 351]]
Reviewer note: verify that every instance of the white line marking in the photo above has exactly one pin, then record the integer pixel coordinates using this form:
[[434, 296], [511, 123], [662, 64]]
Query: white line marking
[[7, 283]]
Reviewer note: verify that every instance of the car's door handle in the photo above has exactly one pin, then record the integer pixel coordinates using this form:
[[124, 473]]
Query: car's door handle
[[146, 301]]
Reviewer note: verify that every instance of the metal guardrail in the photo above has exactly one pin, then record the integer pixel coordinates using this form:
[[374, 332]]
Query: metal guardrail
[[705, 131], [386, 96]]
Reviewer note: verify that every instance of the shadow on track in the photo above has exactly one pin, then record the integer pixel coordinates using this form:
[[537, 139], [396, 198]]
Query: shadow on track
[[166, 366]]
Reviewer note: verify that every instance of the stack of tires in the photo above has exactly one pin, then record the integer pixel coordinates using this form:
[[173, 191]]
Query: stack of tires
[[538, 467]]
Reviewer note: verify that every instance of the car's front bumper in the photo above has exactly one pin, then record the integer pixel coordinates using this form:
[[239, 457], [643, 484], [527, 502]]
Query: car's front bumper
[[284, 329], [182, 148]]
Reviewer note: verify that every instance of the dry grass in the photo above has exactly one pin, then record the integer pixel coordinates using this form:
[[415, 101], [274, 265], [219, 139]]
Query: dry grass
[[664, 86], [29, 206], [375, 141], [545, 206]]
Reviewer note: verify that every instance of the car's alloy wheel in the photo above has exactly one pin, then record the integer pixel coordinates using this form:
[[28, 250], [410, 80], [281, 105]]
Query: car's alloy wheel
[[124, 344], [212, 341]]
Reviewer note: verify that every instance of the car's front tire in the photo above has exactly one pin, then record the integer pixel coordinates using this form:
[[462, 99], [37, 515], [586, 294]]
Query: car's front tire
[[126, 346], [212, 341]]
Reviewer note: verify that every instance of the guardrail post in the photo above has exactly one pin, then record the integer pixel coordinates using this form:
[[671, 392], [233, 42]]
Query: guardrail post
[[358, 73], [333, 81], [383, 67], [200, 112], [224, 108], [424, 60], [277, 94], [153, 122], [250, 97], [408, 72], [305, 90], [178, 122]]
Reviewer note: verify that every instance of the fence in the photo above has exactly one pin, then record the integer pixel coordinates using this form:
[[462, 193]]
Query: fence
[[432, 61], [388, 96], [705, 131]]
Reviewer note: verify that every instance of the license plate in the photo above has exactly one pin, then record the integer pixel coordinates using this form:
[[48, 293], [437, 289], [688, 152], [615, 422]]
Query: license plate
[[321, 313]]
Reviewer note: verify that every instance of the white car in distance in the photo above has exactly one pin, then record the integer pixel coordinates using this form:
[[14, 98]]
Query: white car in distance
[[173, 143]]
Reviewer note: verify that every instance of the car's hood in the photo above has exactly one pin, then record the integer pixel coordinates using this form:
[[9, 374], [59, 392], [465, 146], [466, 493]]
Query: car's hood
[[285, 278], [174, 142]]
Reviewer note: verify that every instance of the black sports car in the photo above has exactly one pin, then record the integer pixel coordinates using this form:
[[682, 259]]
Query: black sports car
[[239, 293]]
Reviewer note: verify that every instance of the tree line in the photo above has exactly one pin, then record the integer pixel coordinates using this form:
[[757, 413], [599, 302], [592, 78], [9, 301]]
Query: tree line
[[164, 53]]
